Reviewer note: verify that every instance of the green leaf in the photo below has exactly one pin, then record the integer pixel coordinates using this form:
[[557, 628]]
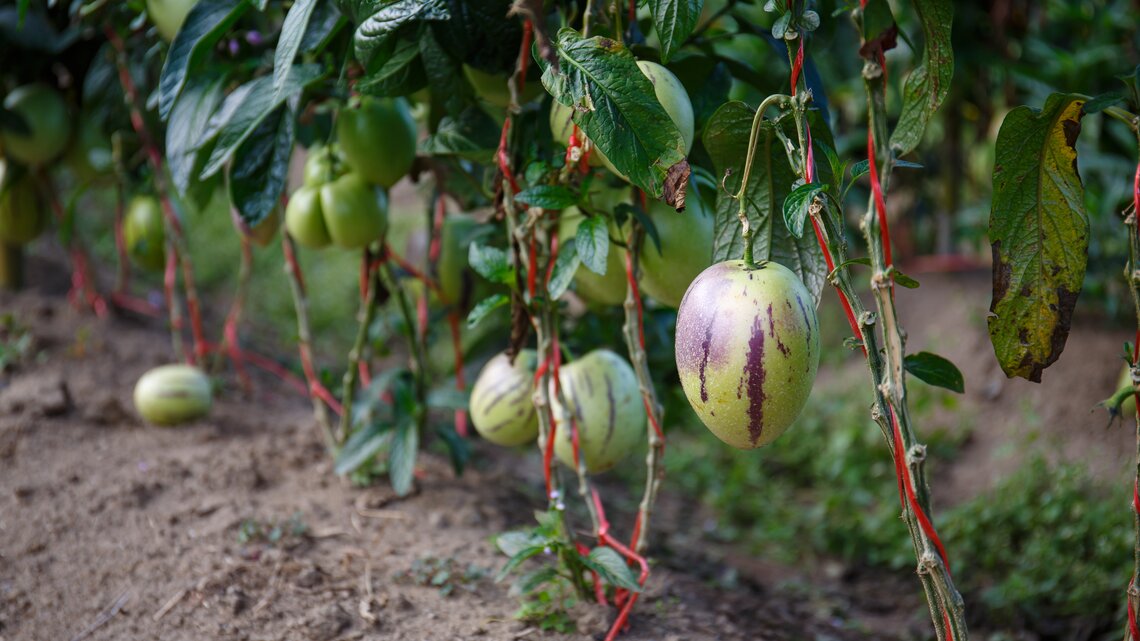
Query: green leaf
[[375, 30], [486, 306], [401, 74], [612, 568], [547, 196], [288, 43], [362, 446], [859, 169], [491, 263], [796, 207], [470, 135], [246, 108], [518, 560], [902, 279], [593, 242], [726, 139], [625, 210], [926, 87], [512, 543], [260, 167], [402, 457], [1103, 101], [674, 20], [935, 370], [531, 581], [447, 398], [564, 268], [615, 105], [1039, 232], [458, 449], [184, 130], [205, 25]]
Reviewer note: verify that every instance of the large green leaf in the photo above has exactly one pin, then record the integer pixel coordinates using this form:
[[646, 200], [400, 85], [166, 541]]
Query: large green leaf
[[936, 370], [926, 87], [260, 167], [400, 74], [726, 139], [674, 21], [593, 242], [205, 25], [402, 457], [246, 108], [1040, 235], [292, 33], [614, 104], [375, 30], [188, 120], [469, 135]]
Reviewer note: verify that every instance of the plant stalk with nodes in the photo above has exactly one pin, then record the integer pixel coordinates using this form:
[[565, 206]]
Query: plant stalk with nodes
[[1132, 276], [882, 337]]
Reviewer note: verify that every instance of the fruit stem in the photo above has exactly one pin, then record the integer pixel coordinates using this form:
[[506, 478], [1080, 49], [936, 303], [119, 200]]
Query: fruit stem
[[779, 101], [352, 370], [317, 392], [634, 332], [11, 267]]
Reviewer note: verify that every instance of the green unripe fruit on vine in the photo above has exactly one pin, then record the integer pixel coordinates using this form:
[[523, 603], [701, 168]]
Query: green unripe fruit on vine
[[602, 289], [304, 220], [602, 392], [173, 394], [747, 348], [49, 125], [501, 406], [144, 232], [378, 139], [493, 87], [686, 250], [453, 250], [355, 213], [22, 216], [324, 164], [168, 15]]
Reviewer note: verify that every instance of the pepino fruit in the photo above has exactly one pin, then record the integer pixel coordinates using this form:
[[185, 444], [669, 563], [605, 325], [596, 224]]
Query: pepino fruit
[[44, 112], [355, 213], [501, 406], [602, 391], [173, 394], [144, 233], [22, 217], [493, 88], [303, 218], [168, 15], [747, 348], [686, 250], [378, 139]]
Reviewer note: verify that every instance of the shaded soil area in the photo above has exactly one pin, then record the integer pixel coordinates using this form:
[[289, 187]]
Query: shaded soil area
[[236, 527]]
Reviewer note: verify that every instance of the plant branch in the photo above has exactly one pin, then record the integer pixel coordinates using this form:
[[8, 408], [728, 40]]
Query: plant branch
[[1132, 275], [352, 371]]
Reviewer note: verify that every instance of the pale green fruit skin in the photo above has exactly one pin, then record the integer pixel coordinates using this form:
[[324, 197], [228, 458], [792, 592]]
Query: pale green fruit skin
[[602, 289], [45, 114], [602, 389], [501, 406], [304, 220], [324, 164], [493, 87], [453, 256], [671, 94], [168, 15], [22, 217], [686, 250], [173, 394], [144, 232], [378, 139], [747, 348], [89, 155], [353, 212]]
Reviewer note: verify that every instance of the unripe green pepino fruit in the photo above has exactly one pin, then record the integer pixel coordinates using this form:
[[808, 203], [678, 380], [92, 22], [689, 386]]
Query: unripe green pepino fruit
[[602, 391], [303, 218], [686, 250], [144, 232], [378, 139], [22, 217], [747, 348], [48, 125], [173, 394], [501, 405]]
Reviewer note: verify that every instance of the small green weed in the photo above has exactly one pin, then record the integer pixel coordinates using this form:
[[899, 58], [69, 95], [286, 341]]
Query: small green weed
[[446, 574], [272, 534]]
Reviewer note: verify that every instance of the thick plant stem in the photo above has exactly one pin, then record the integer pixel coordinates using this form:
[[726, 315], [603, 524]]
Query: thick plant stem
[[634, 333], [304, 339], [352, 371], [419, 358], [11, 267], [1132, 274]]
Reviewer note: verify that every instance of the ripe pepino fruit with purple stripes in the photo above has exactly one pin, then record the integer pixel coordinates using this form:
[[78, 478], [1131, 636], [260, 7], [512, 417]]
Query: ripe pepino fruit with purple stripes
[[501, 406], [747, 349], [604, 400]]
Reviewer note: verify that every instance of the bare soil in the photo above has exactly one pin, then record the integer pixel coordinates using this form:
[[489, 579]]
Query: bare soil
[[110, 529]]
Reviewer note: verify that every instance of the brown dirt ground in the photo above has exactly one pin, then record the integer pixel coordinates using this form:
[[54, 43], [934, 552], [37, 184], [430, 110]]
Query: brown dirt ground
[[113, 530]]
